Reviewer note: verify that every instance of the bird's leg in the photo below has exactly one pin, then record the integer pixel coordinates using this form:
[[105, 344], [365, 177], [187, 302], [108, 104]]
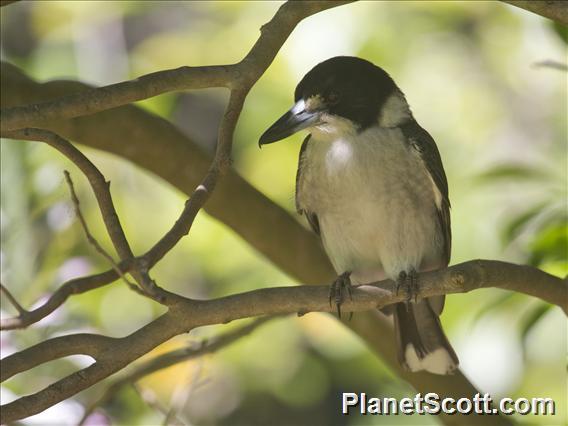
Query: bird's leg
[[409, 282], [336, 291]]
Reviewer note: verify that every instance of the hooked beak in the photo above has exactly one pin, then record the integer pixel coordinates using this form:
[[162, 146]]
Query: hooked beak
[[296, 119]]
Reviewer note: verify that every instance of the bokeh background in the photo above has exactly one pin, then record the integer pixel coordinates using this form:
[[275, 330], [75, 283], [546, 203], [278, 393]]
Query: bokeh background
[[473, 74]]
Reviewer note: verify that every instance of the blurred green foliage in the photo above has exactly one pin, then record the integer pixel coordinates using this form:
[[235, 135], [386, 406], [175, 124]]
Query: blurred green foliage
[[467, 70]]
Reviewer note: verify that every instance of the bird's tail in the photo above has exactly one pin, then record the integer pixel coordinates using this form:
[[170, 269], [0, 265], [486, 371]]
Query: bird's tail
[[422, 344]]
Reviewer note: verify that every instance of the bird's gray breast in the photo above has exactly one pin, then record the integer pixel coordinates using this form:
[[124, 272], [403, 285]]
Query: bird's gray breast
[[375, 202]]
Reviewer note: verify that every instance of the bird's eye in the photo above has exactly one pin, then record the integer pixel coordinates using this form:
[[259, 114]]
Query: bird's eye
[[332, 97]]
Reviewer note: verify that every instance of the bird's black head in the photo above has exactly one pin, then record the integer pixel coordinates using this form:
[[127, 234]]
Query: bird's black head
[[344, 90]]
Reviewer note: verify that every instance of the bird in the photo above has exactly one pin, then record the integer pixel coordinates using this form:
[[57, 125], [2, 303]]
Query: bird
[[371, 183]]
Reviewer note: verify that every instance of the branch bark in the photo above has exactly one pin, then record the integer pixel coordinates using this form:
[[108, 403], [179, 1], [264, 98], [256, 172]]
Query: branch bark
[[101, 189], [171, 358], [98, 182], [127, 349], [234, 202], [556, 10], [188, 314], [7, 2], [183, 164], [235, 77], [48, 350], [71, 287]]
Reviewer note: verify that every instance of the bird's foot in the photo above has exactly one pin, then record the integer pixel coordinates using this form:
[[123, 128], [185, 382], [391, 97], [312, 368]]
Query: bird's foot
[[408, 281], [337, 291]]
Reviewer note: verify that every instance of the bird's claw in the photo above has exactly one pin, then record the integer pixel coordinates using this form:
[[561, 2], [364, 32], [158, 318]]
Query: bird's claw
[[409, 283], [336, 292]]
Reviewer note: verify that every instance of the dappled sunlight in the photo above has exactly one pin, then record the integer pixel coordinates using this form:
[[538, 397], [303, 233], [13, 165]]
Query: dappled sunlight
[[469, 75]]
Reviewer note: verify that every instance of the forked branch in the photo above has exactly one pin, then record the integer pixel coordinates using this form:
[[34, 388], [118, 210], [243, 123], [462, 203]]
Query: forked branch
[[113, 354], [188, 314]]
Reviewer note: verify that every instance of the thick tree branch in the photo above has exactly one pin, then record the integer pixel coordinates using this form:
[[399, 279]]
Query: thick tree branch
[[188, 314], [107, 97], [131, 347], [556, 10], [101, 189], [236, 76], [48, 350], [183, 163], [113, 359], [235, 202]]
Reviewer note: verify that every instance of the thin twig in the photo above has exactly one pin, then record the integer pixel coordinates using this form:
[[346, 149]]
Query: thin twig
[[184, 389], [203, 191], [75, 286], [90, 236], [96, 179], [149, 397], [13, 300], [174, 357], [189, 314], [101, 188], [250, 68], [234, 76]]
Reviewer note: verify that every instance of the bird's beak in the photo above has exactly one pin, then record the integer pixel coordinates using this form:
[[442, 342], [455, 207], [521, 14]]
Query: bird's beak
[[296, 119]]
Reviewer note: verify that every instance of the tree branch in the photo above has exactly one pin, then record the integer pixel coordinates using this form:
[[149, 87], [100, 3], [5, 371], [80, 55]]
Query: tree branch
[[12, 300], [107, 97], [7, 2], [48, 350], [183, 163], [74, 286], [235, 202], [204, 190], [92, 240], [101, 188], [131, 347], [174, 357], [114, 358], [235, 76], [188, 314], [556, 10], [96, 179]]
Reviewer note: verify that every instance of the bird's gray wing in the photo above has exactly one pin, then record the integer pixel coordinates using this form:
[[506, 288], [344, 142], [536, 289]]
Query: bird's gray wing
[[311, 216], [425, 145]]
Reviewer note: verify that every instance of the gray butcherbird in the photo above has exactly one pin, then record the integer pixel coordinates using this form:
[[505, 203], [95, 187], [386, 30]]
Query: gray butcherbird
[[371, 183]]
